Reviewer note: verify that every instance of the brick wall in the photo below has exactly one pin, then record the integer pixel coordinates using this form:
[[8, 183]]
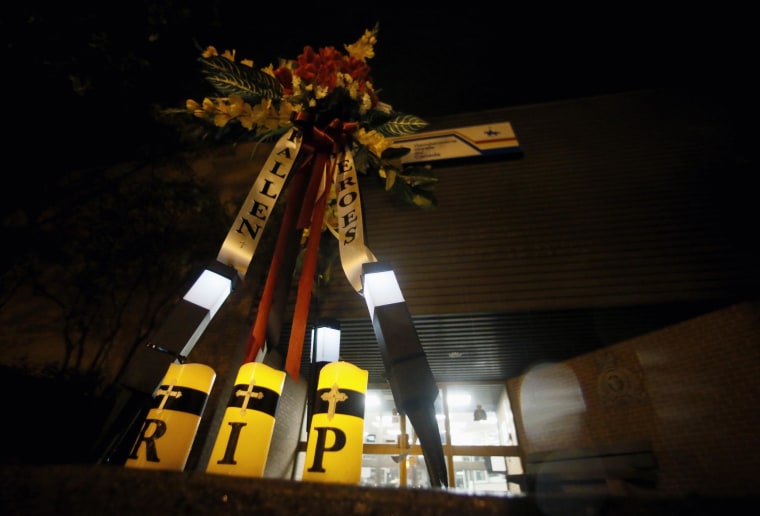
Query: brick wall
[[690, 389]]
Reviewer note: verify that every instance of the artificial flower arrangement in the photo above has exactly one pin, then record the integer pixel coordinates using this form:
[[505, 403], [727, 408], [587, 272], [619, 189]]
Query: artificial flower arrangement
[[260, 104]]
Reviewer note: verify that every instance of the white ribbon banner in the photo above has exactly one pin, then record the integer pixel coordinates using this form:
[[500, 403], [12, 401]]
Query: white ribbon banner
[[353, 252], [244, 236]]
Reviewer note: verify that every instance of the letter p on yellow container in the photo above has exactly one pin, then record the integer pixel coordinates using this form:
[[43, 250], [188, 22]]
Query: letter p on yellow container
[[336, 433]]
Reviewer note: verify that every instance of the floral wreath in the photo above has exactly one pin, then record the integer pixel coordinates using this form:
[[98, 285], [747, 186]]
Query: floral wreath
[[260, 104]]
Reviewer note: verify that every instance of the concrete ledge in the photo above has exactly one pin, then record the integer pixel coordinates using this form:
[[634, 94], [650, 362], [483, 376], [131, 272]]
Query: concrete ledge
[[115, 491]]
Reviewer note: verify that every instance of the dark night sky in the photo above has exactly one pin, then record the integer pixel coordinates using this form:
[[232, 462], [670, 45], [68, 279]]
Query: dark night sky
[[80, 82]]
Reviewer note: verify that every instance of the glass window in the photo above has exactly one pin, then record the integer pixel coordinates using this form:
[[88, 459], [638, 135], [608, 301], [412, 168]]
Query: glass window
[[480, 415], [476, 475], [481, 436], [380, 471]]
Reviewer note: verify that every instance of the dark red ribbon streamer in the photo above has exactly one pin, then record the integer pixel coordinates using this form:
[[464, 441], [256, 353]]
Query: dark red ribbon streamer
[[258, 332], [302, 195]]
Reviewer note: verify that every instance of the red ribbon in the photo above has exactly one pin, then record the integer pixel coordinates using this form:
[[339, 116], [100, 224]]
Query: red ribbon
[[303, 196], [258, 332], [317, 215]]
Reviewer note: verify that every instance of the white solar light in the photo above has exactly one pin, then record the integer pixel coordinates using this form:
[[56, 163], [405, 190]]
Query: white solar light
[[380, 286], [210, 291], [325, 341]]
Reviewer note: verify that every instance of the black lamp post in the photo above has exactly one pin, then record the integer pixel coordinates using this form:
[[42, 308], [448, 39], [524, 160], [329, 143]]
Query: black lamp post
[[406, 367], [172, 343]]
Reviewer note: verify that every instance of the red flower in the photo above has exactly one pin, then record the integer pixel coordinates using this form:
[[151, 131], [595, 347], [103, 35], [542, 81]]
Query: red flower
[[308, 64], [356, 68], [285, 76], [322, 68]]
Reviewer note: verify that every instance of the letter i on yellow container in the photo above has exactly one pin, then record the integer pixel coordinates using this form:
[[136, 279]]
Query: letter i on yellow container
[[242, 444], [336, 434], [169, 429]]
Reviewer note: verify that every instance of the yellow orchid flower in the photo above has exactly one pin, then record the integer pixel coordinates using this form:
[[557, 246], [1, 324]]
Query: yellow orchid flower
[[364, 47], [195, 108], [283, 115], [247, 117], [210, 52], [221, 119], [209, 106], [373, 140], [234, 105]]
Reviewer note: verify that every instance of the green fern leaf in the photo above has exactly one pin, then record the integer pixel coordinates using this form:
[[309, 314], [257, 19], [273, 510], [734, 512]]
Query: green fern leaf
[[230, 78], [402, 125]]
